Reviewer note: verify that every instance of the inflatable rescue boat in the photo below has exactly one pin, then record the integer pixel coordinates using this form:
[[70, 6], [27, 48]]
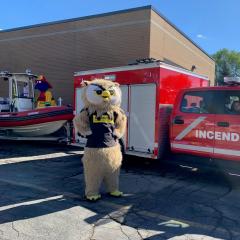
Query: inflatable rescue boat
[[18, 115]]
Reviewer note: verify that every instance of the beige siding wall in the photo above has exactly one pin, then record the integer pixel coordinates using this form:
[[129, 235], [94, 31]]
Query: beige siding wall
[[166, 43], [59, 50]]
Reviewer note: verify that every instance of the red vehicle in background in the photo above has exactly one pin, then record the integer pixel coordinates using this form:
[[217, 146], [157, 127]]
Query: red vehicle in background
[[206, 122], [149, 90]]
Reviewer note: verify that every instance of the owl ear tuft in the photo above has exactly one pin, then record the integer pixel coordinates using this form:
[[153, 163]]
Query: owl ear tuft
[[116, 84]]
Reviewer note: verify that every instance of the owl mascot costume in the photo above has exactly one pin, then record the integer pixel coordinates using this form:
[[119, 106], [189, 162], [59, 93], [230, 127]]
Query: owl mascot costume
[[103, 123]]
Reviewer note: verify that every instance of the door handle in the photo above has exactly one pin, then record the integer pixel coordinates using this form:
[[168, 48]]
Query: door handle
[[223, 124], [178, 120]]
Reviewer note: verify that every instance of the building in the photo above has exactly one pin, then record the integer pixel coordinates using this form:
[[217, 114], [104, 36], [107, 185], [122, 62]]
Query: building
[[58, 49]]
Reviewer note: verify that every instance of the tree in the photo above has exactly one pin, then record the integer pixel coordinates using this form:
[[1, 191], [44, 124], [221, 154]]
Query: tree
[[227, 64]]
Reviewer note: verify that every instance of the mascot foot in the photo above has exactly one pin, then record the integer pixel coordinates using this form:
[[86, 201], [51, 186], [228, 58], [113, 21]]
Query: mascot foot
[[116, 194], [93, 198]]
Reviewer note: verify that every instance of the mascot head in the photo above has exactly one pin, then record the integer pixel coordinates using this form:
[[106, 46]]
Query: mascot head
[[100, 93], [42, 84]]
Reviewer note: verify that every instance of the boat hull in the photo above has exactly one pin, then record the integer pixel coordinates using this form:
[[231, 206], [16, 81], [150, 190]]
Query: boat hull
[[38, 122], [37, 130]]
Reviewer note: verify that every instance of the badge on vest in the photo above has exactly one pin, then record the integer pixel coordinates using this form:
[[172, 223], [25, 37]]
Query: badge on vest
[[103, 119]]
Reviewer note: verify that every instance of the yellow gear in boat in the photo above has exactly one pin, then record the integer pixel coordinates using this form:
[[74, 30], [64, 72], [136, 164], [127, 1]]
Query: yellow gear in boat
[[49, 100]]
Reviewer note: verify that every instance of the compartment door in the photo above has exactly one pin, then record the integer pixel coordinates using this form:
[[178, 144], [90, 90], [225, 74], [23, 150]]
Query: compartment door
[[193, 124], [142, 118], [227, 126], [79, 107], [124, 106]]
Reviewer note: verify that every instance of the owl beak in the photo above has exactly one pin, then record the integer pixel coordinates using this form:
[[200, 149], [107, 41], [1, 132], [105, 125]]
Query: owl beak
[[106, 95]]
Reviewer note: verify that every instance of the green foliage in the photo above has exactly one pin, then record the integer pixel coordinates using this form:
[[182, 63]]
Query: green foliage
[[227, 64]]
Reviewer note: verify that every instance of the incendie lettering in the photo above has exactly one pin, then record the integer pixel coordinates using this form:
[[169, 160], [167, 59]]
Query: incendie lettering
[[222, 136]]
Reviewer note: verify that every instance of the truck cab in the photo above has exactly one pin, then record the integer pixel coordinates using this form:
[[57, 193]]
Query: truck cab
[[206, 121]]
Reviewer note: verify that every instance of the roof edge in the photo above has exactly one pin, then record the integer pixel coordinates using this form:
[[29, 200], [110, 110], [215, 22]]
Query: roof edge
[[140, 66], [181, 32], [77, 19], [109, 14]]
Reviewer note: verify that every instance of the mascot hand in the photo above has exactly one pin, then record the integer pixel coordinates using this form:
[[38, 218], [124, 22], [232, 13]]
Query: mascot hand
[[87, 133]]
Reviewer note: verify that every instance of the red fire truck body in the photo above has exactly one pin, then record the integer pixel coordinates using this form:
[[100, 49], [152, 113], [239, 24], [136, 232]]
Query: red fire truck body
[[205, 123], [148, 93]]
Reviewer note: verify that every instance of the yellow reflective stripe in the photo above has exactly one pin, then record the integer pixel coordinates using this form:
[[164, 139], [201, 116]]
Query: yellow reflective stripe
[[102, 119]]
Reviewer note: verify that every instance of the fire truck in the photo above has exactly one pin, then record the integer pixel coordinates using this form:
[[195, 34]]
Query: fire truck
[[206, 121], [149, 89]]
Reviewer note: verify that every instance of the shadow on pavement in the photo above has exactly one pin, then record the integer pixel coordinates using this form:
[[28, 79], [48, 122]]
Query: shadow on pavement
[[163, 200]]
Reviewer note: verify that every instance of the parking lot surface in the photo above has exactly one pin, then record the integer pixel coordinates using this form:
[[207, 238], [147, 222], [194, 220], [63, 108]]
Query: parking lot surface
[[42, 188]]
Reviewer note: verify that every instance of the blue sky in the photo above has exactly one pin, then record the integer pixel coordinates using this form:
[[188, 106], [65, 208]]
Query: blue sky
[[212, 24]]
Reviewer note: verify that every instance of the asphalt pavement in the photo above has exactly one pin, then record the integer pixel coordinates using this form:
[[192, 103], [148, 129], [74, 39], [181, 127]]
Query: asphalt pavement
[[42, 188]]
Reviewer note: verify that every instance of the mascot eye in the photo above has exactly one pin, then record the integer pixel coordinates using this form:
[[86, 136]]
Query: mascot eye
[[99, 92], [112, 92]]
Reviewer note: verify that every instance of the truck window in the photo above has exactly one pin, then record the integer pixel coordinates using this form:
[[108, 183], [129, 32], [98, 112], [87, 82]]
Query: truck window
[[199, 102], [232, 102]]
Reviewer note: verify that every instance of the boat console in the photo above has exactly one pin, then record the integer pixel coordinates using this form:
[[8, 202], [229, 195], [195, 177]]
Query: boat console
[[4, 104]]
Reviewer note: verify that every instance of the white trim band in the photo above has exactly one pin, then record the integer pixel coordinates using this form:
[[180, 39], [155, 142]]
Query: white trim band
[[192, 147], [188, 129], [227, 152], [220, 151], [91, 28], [140, 66]]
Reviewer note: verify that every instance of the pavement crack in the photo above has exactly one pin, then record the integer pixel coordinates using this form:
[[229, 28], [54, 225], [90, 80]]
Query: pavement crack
[[93, 232], [124, 224], [118, 219], [139, 234], [180, 188], [224, 219], [220, 218], [14, 228], [226, 193], [124, 232], [73, 175]]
